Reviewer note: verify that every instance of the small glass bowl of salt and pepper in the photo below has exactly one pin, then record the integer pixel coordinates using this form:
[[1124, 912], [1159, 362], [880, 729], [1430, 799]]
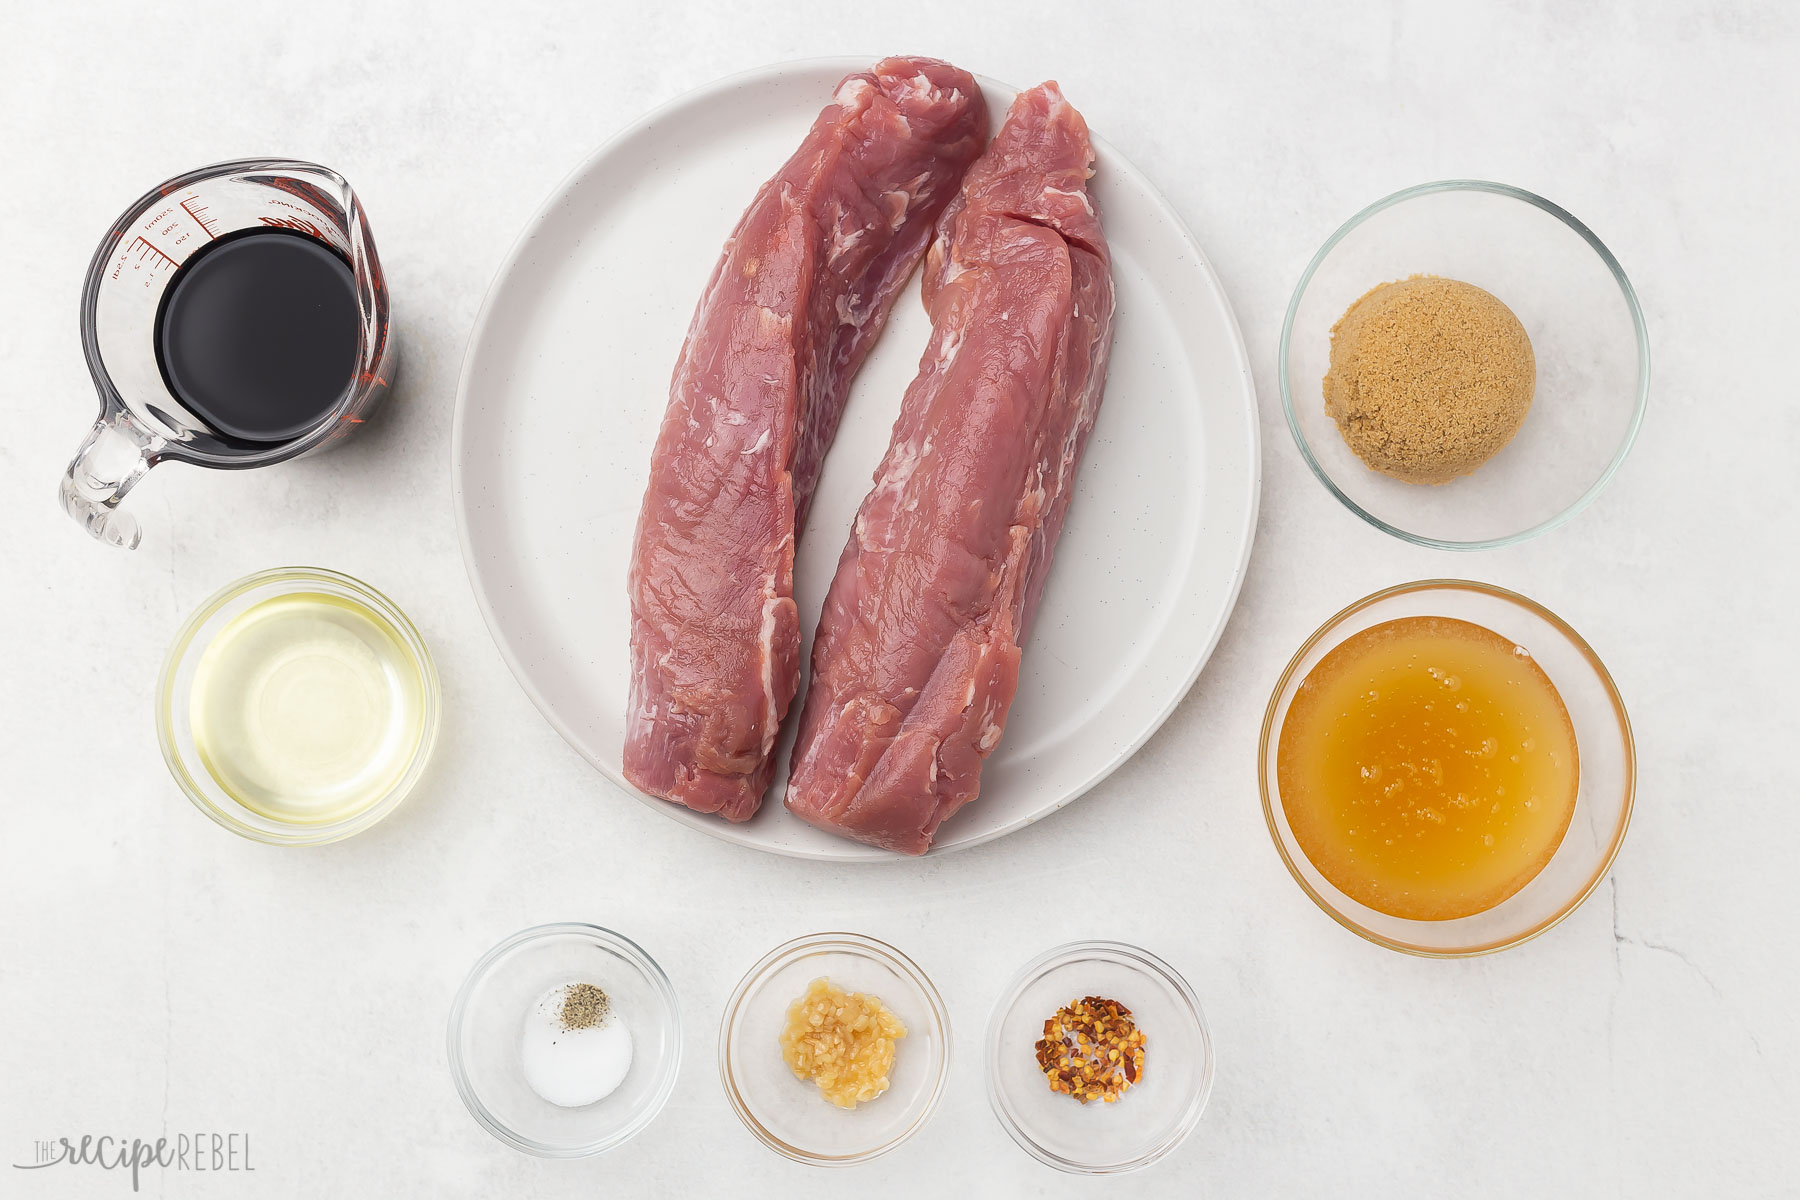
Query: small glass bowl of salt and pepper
[[565, 1040]]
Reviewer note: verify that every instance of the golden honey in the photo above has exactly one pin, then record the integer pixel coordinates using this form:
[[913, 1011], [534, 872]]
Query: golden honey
[[1428, 768]]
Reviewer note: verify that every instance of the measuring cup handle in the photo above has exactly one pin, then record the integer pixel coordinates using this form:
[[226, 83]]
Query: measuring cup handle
[[114, 457]]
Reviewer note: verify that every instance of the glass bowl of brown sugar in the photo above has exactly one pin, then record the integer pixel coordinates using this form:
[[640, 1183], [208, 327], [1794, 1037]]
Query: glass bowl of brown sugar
[[1587, 335]]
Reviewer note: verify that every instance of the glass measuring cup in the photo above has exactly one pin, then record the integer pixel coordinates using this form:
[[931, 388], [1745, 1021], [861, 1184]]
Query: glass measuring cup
[[142, 422]]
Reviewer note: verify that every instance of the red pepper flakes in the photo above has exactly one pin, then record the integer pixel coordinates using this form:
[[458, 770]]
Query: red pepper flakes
[[1091, 1050]]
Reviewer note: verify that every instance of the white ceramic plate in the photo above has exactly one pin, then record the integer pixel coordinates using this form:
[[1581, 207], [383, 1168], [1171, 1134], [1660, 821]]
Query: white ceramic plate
[[564, 384]]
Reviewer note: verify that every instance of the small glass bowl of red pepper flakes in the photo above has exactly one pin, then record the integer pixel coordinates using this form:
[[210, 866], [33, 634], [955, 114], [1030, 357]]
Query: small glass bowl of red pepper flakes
[[1096, 1049]]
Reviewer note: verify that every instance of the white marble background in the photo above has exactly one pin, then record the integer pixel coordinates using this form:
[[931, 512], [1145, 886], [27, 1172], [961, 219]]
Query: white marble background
[[158, 974]]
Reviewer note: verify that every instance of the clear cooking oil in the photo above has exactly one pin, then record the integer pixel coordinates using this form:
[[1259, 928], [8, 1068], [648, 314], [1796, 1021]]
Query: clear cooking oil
[[307, 707]]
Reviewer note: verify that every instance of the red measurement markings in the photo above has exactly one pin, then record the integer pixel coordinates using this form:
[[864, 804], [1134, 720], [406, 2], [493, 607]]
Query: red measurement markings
[[146, 249], [147, 256], [196, 210], [297, 224]]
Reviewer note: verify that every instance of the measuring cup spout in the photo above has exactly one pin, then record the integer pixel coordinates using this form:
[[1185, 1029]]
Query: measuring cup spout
[[114, 457]]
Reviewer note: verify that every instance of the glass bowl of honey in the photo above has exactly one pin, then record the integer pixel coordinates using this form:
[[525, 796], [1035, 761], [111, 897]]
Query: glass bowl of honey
[[1447, 768]]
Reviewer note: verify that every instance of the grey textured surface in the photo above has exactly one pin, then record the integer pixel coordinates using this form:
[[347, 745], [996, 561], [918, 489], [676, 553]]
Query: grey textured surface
[[157, 974]]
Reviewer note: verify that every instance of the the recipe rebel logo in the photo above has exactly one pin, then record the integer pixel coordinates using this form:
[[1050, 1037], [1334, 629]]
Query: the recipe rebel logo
[[192, 1152]]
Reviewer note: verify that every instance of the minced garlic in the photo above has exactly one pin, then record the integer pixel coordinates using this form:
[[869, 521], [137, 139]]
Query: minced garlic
[[842, 1041]]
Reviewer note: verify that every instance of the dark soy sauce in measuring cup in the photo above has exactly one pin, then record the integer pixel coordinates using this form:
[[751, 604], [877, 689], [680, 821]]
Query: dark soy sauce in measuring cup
[[257, 334]]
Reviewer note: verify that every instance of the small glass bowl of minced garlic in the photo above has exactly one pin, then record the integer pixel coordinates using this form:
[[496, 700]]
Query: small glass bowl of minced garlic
[[1464, 365], [834, 1049]]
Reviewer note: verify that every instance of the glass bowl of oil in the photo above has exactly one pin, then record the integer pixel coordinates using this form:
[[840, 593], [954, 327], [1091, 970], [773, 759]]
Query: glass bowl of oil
[[1447, 768], [297, 706]]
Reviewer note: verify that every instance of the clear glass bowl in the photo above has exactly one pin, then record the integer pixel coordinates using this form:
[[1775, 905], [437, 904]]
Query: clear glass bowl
[[487, 1023], [1602, 736], [1587, 332], [1149, 1119], [175, 734], [786, 1113]]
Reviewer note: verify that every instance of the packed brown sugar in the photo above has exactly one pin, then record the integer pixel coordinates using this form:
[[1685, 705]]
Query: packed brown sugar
[[1430, 377]]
